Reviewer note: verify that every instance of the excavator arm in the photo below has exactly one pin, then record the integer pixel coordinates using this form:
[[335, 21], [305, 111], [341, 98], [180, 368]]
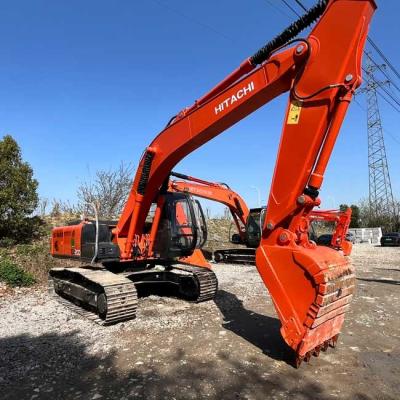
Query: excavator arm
[[218, 192], [311, 286]]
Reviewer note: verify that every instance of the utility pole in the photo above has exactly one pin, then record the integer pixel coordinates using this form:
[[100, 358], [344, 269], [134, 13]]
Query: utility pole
[[381, 201]]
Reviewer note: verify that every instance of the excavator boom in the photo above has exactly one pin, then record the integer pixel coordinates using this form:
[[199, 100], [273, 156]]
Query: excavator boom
[[311, 286]]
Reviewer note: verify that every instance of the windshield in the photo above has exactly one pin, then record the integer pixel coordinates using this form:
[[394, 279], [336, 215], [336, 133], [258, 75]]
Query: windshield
[[253, 226]]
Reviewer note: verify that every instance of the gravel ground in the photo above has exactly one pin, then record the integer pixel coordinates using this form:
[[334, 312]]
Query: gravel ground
[[227, 349]]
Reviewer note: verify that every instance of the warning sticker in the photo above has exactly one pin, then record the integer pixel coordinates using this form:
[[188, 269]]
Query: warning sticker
[[294, 112]]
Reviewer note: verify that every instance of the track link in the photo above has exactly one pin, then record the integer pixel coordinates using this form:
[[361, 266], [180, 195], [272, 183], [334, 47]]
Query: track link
[[207, 283], [119, 293]]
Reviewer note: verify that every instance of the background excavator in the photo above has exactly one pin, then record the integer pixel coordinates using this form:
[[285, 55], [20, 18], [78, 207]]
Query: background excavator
[[249, 221], [311, 286]]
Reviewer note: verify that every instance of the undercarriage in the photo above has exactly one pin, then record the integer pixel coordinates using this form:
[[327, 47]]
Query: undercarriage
[[108, 297], [236, 256]]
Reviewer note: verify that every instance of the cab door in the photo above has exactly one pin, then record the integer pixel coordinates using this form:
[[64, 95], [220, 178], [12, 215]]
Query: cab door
[[178, 231]]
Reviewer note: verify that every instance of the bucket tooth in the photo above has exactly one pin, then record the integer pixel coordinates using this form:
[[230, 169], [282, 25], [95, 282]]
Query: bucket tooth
[[298, 360], [333, 341], [317, 350]]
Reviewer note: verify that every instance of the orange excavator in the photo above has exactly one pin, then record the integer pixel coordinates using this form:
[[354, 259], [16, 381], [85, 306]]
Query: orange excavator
[[342, 220], [311, 286], [219, 192], [249, 221]]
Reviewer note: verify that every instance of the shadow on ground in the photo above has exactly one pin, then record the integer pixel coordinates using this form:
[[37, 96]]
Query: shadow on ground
[[380, 280], [388, 269], [59, 367], [258, 329], [47, 366]]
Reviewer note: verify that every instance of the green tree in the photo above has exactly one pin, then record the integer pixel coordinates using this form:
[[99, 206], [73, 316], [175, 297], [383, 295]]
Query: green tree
[[355, 214], [388, 222], [18, 194]]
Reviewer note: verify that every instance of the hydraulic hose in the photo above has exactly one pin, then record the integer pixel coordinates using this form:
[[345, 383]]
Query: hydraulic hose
[[289, 33]]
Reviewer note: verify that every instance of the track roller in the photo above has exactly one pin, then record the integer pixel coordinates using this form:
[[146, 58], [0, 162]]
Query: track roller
[[95, 293]]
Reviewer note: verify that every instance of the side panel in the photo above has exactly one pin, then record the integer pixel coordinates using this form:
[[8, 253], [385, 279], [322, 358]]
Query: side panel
[[66, 241], [79, 242]]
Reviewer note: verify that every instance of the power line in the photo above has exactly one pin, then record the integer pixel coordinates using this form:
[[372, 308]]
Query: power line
[[395, 99], [388, 101], [384, 73], [392, 136], [301, 5], [359, 104], [379, 85], [291, 8], [380, 52], [191, 19], [275, 7]]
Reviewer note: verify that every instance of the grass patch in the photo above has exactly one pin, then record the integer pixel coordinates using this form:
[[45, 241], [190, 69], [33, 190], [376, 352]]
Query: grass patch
[[14, 275], [34, 249]]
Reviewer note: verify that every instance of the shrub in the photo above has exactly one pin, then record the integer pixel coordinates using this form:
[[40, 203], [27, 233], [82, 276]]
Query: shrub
[[14, 275], [6, 242], [31, 249]]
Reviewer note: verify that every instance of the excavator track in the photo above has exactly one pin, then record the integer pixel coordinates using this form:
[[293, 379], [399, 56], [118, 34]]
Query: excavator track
[[97, 294], [206, 283], [236, 256]]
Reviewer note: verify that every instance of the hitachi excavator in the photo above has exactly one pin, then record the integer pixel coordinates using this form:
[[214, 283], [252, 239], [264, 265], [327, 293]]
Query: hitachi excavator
[[249, 221], [311, 286], [341, 219], [218, 192]]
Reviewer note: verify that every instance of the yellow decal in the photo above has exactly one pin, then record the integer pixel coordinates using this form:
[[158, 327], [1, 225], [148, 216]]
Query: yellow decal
[[294, 112]]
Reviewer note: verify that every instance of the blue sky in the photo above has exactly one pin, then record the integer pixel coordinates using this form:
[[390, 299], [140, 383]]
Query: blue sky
[[85, 85]]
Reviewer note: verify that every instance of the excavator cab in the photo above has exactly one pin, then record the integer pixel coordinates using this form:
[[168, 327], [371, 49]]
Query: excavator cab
[[182, 227], [254, 223]]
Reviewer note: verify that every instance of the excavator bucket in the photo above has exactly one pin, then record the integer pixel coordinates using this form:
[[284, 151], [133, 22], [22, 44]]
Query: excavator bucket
[[311, 289]]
